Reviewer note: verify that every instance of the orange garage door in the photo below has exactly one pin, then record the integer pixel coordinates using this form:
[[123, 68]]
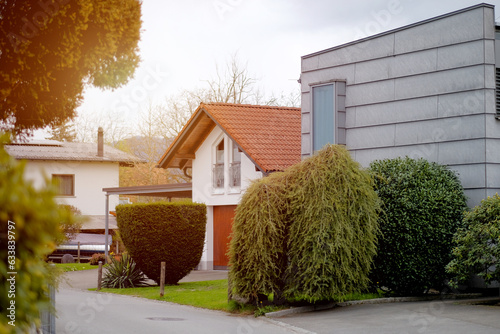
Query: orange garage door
[[223, 221]]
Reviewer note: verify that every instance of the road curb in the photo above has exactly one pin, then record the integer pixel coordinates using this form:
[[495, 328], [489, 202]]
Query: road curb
[[311, 308]]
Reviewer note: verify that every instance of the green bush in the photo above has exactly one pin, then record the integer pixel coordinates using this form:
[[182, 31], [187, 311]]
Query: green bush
[[170, 232], [94, 260], [423, 204], [308, 233], [477, 245], [32, 235], [122, 274]]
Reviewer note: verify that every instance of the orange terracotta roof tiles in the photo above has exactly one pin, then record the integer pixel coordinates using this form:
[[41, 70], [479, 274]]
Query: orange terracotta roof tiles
[[269, 136]]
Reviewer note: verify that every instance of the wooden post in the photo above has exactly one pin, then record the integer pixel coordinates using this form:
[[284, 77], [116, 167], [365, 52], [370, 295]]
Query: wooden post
[[99, 276], [162, 279], [78, 256]]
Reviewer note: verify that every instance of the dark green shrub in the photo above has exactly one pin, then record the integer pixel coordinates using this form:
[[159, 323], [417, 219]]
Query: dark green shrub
[[423, 204], [477, 245], [307, 233], [29, 231], [170, 232], [122, 274]]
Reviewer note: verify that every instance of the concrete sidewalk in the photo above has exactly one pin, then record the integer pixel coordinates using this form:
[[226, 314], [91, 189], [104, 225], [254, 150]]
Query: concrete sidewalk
[[87, 279]]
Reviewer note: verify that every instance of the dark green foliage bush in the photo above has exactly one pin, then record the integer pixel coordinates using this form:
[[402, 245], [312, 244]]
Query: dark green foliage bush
[[308, 233], [122, 274], [477, 244], [423, 204], [29, 230], [170, 232]]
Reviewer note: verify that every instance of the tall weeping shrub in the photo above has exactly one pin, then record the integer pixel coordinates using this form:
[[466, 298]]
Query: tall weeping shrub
[[307, 233], [423, 203]]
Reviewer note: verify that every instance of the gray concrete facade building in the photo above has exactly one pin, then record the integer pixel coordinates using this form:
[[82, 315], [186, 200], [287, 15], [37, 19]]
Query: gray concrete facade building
[[424, 90]]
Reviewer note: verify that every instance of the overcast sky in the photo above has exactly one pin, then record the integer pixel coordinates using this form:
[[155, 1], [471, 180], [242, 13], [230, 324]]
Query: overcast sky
[[183, 40]]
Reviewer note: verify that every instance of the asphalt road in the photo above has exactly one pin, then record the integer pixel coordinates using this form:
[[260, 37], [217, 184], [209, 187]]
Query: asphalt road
[[81, 312], [85, 312]]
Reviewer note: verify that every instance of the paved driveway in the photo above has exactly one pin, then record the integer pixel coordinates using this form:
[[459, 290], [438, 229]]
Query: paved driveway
[[415, 317]]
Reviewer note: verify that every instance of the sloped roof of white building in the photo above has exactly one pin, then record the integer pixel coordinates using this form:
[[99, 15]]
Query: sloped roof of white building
[[67, 151]]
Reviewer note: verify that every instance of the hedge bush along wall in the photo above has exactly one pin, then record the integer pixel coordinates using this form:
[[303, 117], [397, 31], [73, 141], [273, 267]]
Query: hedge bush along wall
[[171, 232], [423, 203], [308, 233]]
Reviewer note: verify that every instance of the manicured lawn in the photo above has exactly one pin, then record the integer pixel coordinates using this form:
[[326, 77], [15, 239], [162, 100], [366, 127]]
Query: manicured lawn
[[74, 266], [207, 294]]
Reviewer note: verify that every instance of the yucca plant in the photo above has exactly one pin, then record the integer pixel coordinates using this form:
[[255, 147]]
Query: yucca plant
[[123, 274]]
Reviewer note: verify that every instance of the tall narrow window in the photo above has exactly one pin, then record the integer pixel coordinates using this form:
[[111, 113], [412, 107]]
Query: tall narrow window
[[65, 184], [218, 171], [235, 167], [323, 116]]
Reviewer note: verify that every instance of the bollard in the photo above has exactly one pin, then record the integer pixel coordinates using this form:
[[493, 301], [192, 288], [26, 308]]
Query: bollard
[[99, 276], [78, 256], [162, 279]]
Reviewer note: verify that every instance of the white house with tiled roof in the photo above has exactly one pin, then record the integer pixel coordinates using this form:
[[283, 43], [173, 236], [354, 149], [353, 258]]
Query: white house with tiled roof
[[226, 146], [82, 170]]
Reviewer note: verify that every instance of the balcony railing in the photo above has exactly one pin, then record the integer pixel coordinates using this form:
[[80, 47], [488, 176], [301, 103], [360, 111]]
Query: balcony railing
[[235, 174], [218, 176]]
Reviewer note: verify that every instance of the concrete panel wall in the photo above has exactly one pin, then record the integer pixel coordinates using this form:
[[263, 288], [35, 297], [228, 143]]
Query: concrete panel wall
[[426, 90]]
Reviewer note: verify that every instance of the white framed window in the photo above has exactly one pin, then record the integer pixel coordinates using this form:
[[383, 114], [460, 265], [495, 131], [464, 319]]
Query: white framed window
[[235, 166], [323, 107], [65, 184], [218, 167]]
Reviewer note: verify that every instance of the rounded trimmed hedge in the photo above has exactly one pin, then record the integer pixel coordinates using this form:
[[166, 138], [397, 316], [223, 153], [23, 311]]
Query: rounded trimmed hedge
[[308, 233], [173, 232], [423, 203]]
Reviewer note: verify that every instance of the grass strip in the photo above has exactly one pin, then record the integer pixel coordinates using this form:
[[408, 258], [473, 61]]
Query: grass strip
[[74, 266], [206, 294], [210, 295]]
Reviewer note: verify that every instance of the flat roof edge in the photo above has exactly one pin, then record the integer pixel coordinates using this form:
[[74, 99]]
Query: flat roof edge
[[463, 10]]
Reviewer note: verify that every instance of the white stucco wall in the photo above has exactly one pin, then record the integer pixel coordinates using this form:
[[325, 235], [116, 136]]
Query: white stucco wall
[[90, 178], [203, 192]]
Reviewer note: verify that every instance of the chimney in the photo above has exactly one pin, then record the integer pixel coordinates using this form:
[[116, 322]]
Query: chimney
[[100, 142]]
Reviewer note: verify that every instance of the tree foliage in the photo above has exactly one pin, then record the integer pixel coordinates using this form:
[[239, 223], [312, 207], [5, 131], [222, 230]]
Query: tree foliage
[[477, 244], [171, 232], [51, 49], [30, 230], [423, 204], [64, 132], [307, 233]]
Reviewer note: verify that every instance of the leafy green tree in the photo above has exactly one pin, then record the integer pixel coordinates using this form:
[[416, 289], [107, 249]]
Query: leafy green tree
[[30, 229], [51, 49], [477, 245], [307, 233], [423, 203], [63, 132]]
